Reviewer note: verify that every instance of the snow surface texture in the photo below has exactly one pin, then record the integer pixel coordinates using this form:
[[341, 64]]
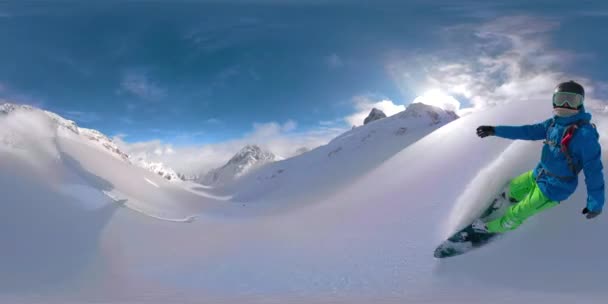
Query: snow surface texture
[[371, 241], [249, 158]]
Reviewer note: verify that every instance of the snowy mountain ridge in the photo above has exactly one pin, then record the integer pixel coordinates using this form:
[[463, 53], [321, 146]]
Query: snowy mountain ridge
[[346, 157], [158, 168], [249, 158], [7, 107], [95, 138], [420, 110], [415, 116]]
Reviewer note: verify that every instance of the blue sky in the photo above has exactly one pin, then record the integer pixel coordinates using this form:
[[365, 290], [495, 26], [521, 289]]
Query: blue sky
[[186, 73]]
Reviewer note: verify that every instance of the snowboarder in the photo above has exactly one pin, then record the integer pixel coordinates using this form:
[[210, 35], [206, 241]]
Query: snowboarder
[[570, 145]]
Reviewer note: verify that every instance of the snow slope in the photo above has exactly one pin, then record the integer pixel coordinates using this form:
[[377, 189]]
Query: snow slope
[[75, 165], [371, 241], [93, 138], [324, 170]]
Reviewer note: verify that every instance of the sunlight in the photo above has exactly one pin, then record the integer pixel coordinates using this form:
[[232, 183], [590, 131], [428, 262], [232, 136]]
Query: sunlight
[[437, 98]]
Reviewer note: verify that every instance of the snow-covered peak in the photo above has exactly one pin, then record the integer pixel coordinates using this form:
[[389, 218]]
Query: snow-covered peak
[[251, 153], [374, 114], [7, 107], [248, 158], [158, 168], [102, 140], [416, 117], [66, 127], [421, 110], [66, 123]]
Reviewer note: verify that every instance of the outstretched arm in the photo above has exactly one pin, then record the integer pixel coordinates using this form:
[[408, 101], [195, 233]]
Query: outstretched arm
[[527, 132], [594, 177]]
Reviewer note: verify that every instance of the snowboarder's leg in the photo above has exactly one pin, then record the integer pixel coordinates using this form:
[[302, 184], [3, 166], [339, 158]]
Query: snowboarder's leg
[[533, 203], [521, 186]]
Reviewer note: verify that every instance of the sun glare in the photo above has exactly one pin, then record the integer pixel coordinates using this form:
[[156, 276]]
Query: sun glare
[[437, 98]]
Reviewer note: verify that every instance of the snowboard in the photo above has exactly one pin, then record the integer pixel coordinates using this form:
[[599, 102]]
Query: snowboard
[[471, 236]]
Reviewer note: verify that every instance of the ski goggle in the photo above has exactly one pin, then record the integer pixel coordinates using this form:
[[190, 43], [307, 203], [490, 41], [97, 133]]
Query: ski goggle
[[566, 99]]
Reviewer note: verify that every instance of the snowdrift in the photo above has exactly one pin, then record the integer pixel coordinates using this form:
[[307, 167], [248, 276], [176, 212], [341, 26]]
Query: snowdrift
[[87, 171]]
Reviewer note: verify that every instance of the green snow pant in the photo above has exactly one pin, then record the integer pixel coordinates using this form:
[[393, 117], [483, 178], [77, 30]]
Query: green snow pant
[[530, 202]]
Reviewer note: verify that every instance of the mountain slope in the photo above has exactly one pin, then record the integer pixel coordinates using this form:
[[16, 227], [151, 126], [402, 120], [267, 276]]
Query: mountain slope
[[84, 163], [342, 160], [371, 241], [95, 139]]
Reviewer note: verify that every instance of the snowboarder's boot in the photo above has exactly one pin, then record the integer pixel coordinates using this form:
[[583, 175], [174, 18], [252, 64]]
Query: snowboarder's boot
[[498, 205], [477, 233], [472, 236]]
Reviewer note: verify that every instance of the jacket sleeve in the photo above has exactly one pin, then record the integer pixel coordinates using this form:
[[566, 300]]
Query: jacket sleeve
[[594, 177], [527, 132]]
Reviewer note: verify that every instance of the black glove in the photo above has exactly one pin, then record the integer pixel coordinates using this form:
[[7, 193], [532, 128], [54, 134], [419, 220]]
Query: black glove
[[484, 131], [591, 214]]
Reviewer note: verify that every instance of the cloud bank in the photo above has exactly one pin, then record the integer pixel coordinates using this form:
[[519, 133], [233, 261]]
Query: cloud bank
[[506, 59], [364, 105], [282, 139], [138, 84]]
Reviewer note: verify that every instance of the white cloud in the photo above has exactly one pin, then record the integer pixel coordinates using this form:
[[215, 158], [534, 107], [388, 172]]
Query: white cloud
[[266, 129], [439, 99], [139, 84], [364, 105], [290, 125], [213, 121], [283, 139], [229, 72], [330, 123], [334, 61], [507, 59]]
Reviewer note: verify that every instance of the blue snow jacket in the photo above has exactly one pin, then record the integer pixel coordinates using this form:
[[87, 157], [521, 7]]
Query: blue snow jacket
[[553, 175]]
